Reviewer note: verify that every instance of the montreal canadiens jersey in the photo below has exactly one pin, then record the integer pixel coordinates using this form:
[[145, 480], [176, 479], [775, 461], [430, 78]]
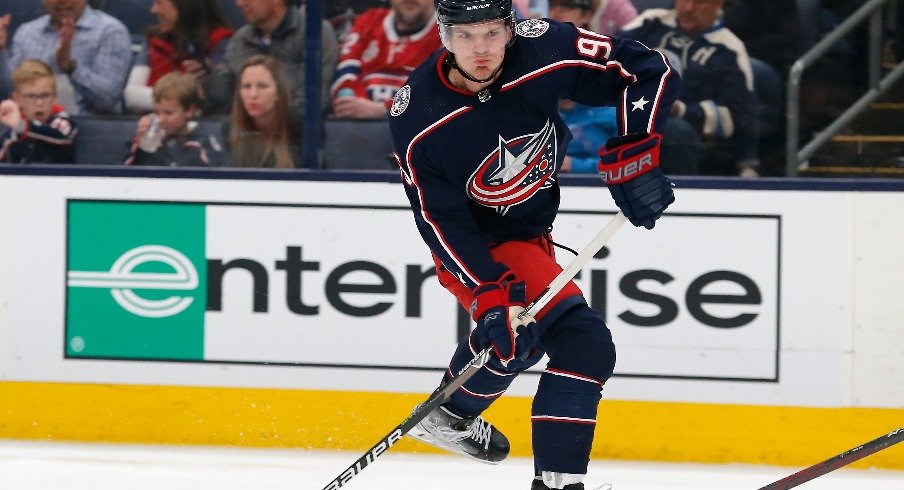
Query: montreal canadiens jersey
[[375, 60], [482, 168]]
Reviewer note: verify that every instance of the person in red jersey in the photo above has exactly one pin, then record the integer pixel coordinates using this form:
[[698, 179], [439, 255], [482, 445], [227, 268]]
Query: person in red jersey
[[382, 49]]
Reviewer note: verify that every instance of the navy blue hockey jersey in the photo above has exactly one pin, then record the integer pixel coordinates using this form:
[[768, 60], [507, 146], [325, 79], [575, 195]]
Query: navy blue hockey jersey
[[33, 142], [481, 168]]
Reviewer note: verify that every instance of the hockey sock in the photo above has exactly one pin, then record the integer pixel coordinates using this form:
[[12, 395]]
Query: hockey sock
[[564, 410]]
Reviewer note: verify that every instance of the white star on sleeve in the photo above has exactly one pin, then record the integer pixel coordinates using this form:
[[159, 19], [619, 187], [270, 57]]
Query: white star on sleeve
[[639, 104]]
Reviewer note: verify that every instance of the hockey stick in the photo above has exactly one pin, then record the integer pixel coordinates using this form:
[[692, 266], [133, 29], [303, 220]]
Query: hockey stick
[[835, 462], [442, 395]]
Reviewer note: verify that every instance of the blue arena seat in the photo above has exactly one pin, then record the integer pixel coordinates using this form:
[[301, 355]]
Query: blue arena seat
[[135, 14], [769, 88], [22, 11], [104, 140], [642, 5], [810, 20], [357, 145]]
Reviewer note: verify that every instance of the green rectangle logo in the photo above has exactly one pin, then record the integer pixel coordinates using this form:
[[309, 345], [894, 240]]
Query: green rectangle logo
[[136, 280]]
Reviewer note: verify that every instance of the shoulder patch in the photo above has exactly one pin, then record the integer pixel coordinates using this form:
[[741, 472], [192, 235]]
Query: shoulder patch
[[531, 28], [400, 101]]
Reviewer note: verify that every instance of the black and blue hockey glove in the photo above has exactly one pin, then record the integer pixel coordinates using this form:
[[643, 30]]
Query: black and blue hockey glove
[[629, 165], [496, 309]]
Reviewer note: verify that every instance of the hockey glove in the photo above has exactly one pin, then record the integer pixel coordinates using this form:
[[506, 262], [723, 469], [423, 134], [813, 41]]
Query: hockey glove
[[496, 308], [629, 165]]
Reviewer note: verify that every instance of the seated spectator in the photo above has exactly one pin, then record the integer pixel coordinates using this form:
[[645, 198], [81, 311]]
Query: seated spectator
[[168, 137], [590, 126], [262, 131], [717, 98], [38, 130], [190, 37], [89, 50], [276, 28], [383, 48], [611, 15]]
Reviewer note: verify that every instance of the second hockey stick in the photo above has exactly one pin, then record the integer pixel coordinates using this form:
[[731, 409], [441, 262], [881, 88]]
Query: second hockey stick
[[442, 395], [835, 462]]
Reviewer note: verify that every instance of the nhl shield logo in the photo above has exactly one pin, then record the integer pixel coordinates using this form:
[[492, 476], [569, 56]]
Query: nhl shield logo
[[400, 101], [531, 28]]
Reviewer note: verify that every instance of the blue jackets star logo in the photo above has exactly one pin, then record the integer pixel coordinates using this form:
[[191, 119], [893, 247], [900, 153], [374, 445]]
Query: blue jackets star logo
[[515, 170], [639, 104]]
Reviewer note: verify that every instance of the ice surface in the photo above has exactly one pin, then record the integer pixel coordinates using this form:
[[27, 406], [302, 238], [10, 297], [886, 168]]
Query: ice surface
[[26, 465]]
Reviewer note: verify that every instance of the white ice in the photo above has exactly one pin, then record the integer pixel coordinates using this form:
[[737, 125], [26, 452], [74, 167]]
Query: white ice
[[53, 465]]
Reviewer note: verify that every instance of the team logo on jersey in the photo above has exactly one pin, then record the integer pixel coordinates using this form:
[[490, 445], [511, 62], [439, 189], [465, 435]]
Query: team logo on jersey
[[400, 101], [531, 28], [371, 53], [515, 170]]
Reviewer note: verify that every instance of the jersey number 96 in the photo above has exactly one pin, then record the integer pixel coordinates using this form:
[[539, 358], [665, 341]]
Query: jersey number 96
[[593, 45]]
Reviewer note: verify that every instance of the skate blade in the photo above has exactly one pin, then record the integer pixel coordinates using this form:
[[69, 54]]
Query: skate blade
[[428, 438]]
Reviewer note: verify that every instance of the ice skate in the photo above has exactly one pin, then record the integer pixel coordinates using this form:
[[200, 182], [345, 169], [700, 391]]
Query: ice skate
[[538, 485], [475, 438]]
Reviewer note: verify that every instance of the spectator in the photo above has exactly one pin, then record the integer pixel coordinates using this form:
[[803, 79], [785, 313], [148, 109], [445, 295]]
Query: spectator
[[190, 37], [263, 132], [275, 28], [377, 56], [611, 15], [717, 98], [590, 126], [37, 129], [169, 137], [88, 49]]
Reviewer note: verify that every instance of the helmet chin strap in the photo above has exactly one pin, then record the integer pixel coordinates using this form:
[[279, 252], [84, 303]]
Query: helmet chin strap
[[454, 64]]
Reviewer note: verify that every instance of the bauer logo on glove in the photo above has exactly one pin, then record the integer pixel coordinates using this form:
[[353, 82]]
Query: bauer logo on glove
[[628, 160], [629, 165]]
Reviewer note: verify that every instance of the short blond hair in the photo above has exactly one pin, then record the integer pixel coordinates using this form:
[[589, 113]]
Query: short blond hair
[[180, 87], [30, 70]]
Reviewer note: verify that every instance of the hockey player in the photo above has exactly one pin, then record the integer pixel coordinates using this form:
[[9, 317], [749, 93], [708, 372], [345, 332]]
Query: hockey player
[[382, 49], [480, 141]]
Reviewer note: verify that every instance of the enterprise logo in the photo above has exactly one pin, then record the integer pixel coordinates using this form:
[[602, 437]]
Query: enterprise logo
[[122, 279]]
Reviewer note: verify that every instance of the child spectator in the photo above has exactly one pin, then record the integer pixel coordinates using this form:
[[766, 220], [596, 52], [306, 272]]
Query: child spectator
[[263, 131], [382, 49], [190, 37], [168, 137], [38, 129]]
